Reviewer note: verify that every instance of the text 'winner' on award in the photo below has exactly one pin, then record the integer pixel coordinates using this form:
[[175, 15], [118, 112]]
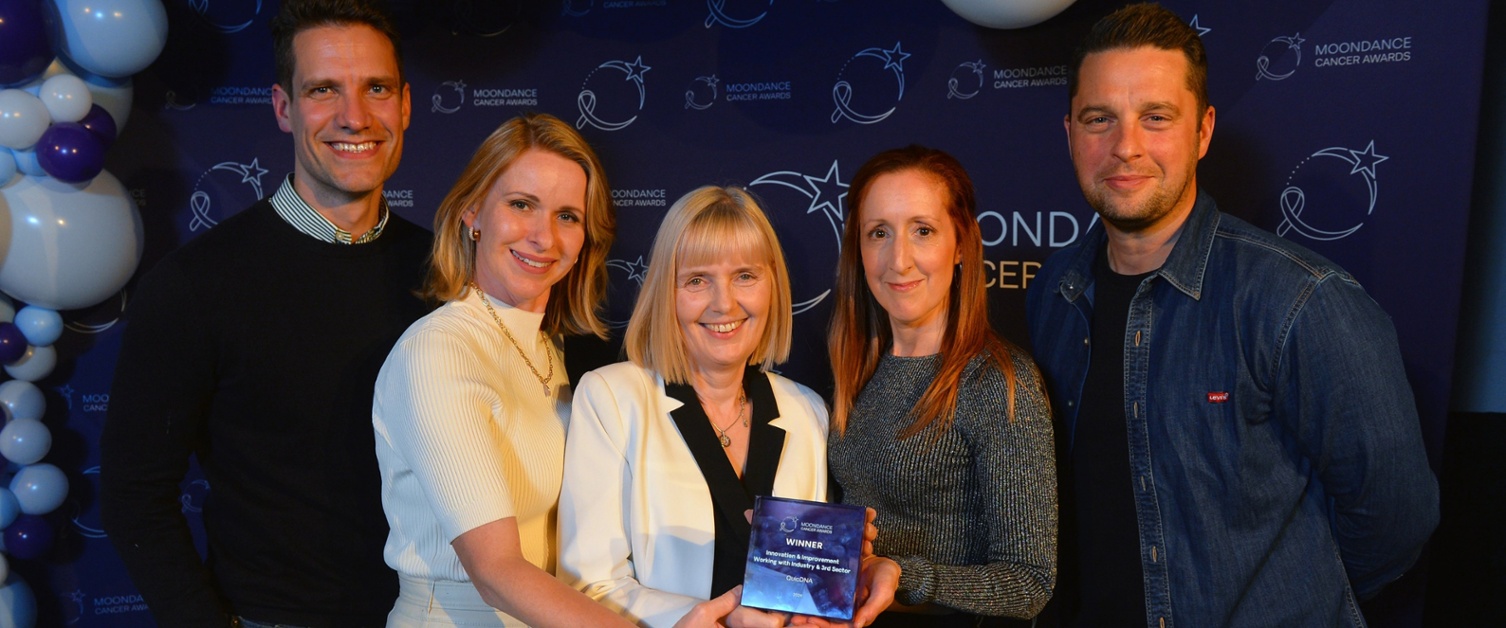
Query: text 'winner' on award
[[803, 557]]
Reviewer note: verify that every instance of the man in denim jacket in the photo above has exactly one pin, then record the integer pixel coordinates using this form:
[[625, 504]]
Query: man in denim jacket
[[1239, 442]]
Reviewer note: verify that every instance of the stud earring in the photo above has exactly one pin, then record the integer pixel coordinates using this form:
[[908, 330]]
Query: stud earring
[[475, 234]]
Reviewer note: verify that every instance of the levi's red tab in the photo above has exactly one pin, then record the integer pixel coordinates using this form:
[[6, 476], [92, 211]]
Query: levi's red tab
[[1218, 397]]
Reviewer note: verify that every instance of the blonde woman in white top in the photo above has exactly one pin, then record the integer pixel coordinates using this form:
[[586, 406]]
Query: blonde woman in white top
[[472, 403]]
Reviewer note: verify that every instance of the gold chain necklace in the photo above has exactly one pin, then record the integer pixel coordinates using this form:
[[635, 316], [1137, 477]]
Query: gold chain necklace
[[543, 379], [742, 413]]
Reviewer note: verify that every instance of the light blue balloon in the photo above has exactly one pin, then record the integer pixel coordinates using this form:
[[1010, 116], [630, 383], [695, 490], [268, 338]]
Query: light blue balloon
[[9, 508], [25, 441], [7, 166], [18, 605], [111, 38], [22, 400], [39, 488], [41, 326], [27, 164]]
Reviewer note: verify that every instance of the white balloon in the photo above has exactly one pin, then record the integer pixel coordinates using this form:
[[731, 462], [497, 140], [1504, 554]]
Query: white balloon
[[41, 326], [39, 488], [113, 95], [66, 97], [25, 441], [7, 166], [35, 364], [1007, 13], [22, 400], [71, 245], [23, 118]]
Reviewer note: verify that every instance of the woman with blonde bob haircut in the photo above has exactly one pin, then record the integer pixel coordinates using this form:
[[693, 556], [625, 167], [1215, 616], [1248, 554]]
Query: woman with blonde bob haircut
[[939, 424], [667, 451], [707, 224], [472, 403]]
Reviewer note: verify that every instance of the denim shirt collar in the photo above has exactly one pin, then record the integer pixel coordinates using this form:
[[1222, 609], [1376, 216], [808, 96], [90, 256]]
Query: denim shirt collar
[[1184, 269]]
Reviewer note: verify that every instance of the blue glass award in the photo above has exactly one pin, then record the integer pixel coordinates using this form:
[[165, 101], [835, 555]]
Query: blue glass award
[[803, 557]]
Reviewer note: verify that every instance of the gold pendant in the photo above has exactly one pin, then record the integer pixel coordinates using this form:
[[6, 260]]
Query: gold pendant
[[726, 442]]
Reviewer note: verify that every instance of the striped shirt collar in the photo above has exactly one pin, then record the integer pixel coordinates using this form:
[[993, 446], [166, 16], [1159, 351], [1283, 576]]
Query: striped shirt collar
[[293, 209]]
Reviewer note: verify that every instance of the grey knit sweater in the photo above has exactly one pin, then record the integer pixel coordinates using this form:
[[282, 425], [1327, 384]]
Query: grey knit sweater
[[971, 519]]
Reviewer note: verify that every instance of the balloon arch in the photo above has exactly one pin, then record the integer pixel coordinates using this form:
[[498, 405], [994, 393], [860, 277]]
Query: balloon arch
[[70, 234]]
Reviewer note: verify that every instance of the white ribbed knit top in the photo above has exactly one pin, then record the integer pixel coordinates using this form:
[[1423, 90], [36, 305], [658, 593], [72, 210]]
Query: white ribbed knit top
[[466, 436]]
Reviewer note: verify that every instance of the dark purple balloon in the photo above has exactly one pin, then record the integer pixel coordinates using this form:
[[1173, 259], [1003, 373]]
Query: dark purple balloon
[[69, 152], [28, 537], [12, 343], [24, 53], [99, 122]]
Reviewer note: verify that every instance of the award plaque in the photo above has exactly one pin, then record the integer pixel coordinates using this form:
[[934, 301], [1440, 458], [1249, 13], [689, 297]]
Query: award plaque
[[803, 557]]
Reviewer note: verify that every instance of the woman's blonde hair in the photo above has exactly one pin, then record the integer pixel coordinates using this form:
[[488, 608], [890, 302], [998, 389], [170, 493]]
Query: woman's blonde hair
[[707, 224], [574, 303]]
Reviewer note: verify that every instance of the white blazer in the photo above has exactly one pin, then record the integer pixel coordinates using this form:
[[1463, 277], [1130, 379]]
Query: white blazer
[[636, 519]]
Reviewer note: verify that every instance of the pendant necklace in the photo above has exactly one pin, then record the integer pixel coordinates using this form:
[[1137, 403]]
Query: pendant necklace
[[742, 413], [543, 379]]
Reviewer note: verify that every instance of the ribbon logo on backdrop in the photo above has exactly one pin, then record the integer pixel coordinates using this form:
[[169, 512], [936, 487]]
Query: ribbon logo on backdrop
[[200, 202], [954, 85], [1280, 58], [719, 15], [843, 93], [703, 88], [575, 8], [587, 101], [1318, 176], [437, 103], [226, 17], [827, 195]]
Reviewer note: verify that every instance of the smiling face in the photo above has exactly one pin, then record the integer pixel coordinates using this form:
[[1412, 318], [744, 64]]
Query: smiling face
[[909, 249], [1136, 134], [347, 112], [722, 306], [532, 228]]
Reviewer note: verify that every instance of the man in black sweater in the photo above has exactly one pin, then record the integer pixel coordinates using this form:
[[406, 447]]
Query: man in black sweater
[[255, 348]]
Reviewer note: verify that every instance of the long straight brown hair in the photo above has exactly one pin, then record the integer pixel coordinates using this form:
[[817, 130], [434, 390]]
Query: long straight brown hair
[[860, 330]]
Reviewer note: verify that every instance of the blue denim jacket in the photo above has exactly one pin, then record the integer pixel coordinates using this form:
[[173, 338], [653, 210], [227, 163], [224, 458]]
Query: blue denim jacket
[[1274, 443]]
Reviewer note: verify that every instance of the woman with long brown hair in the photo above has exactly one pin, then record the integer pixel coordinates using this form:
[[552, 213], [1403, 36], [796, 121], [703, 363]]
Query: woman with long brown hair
[[938, 423]]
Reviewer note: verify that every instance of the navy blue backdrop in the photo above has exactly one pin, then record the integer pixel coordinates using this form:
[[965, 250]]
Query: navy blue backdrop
[[1345, 125]]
